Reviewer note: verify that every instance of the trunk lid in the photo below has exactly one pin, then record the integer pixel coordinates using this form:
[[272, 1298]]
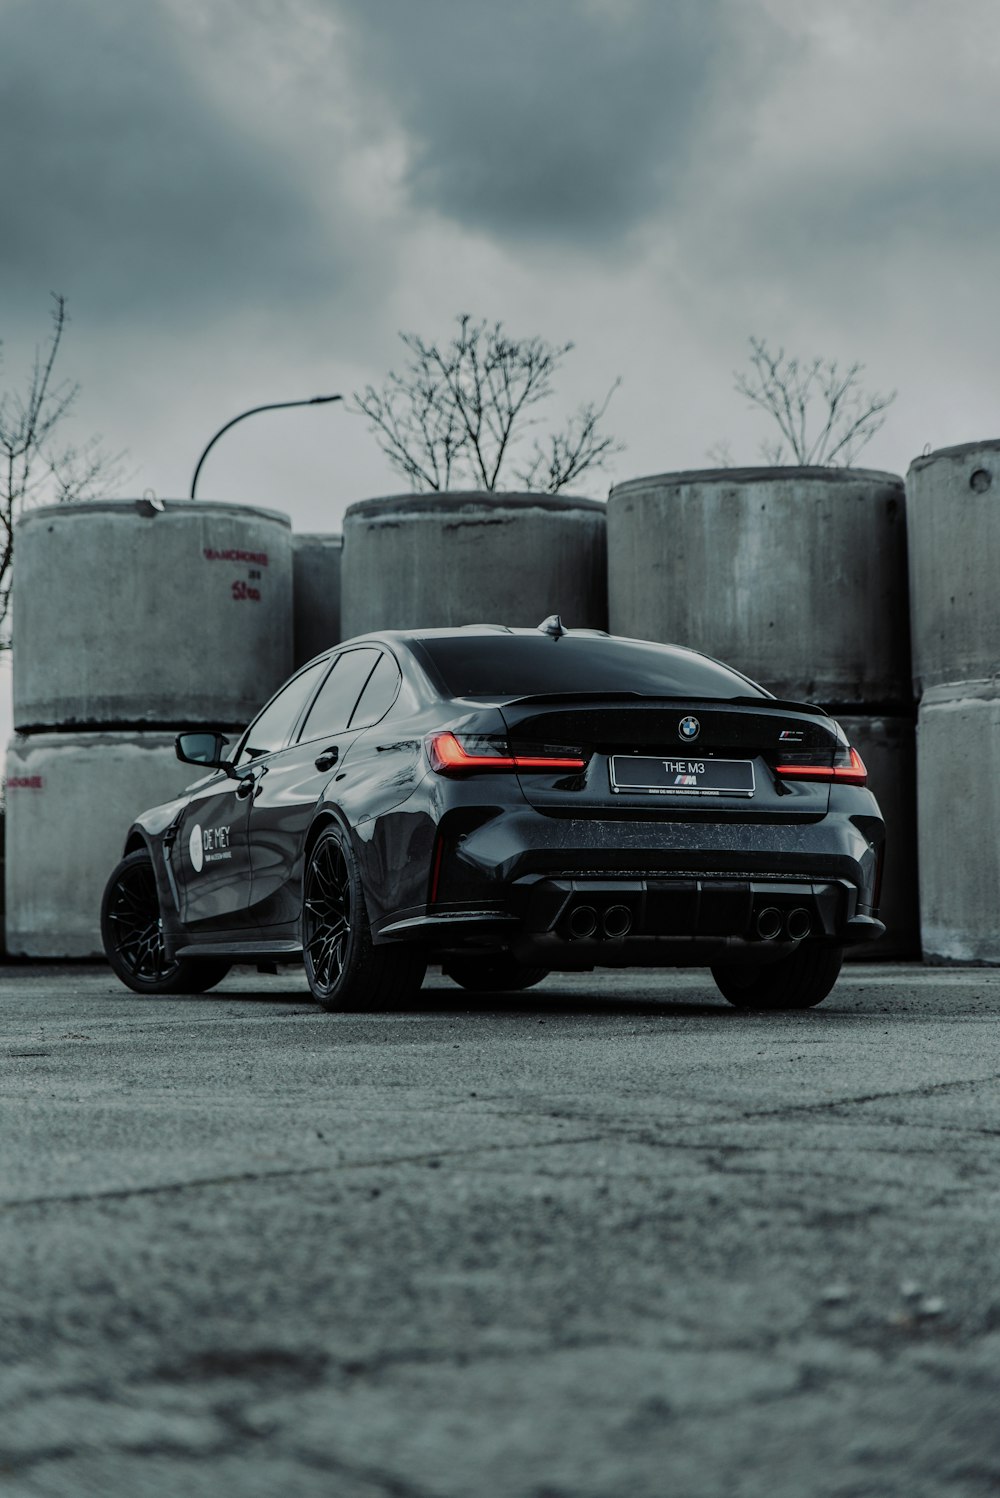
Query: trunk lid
[[641, 762]]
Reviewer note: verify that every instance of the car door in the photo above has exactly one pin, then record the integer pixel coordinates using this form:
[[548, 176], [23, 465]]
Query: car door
[[287, 795], [212, 862]]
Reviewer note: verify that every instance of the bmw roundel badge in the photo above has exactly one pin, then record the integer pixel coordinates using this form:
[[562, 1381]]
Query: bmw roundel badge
[[689, 728]]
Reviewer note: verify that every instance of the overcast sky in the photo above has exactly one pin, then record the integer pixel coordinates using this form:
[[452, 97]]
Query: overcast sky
[[245, 200]]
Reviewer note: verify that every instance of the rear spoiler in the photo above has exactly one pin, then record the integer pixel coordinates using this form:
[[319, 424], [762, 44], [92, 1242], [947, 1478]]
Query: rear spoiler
[[771, 704]]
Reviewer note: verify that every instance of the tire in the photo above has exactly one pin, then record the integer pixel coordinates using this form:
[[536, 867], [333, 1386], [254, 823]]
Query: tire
[[492, 974], [345, 971], [798, 981], [132, 933]]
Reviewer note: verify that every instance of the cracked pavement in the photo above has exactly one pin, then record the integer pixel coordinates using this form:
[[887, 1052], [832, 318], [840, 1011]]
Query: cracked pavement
[[609, 1237]]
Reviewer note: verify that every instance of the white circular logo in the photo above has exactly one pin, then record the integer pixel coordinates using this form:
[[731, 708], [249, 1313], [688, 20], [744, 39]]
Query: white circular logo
[[689, 728], [196, 848]]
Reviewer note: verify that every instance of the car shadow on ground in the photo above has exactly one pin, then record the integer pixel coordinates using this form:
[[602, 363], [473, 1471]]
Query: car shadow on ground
[[556, 1001], [439, 998]]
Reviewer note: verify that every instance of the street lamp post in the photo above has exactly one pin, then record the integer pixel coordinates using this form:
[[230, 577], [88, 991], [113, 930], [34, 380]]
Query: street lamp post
[[316, 400]]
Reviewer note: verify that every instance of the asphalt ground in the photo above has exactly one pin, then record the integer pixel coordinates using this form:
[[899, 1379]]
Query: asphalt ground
[[607, 1238]]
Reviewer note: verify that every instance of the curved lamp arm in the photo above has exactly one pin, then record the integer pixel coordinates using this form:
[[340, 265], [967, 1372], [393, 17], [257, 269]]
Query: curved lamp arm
[[316, 400]]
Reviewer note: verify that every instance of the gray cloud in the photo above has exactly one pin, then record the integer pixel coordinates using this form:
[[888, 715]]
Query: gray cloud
[[544, 118], [868, 165], [126, 185], [948, 205]]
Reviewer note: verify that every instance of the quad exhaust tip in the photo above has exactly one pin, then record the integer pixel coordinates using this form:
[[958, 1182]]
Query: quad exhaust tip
[[616, 921], [799, 923], [769, 923], [582, 922]]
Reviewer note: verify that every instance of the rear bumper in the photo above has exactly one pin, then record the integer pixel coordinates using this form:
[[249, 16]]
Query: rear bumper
[[566, 924], [567, 893], [762, 910]]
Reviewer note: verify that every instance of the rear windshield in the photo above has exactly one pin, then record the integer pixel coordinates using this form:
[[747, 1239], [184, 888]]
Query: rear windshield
[[537, 665]]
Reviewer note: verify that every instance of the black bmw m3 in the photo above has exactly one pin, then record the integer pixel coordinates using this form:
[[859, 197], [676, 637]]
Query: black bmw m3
[[507, 803]]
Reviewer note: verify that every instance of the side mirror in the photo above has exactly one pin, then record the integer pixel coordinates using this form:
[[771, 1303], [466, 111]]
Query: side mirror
[[204, 749]]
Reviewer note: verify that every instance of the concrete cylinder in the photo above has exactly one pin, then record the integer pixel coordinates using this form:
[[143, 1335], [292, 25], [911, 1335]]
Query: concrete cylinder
[[315, 594], [416, 561], [131, 613], [70, 800], [953, 505], [958, 791], [796, 576], [888, 747]]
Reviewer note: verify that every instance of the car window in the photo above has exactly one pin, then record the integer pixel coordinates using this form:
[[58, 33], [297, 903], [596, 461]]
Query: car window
[[379, 695], [272, 728], [526, 665], [331, 712]]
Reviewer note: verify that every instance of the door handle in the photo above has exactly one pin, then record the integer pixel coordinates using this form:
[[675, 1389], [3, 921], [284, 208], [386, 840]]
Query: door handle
[[328, 758]]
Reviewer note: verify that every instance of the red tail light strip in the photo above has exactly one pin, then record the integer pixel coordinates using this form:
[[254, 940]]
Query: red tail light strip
[[436, 870], [851, 773], [447, 755]]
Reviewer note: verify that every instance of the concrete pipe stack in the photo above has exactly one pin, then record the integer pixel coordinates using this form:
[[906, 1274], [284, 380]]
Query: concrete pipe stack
[[132, 620], [798, 577], [316, 593], [953, 502], [473, 558]]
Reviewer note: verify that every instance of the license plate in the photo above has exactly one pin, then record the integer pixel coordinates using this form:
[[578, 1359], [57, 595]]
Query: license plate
[[681, 776]]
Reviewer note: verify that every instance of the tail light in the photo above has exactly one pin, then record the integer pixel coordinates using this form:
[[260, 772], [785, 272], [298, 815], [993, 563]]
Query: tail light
[[458, 754], [435, 879], [879, 871], [847, 767]]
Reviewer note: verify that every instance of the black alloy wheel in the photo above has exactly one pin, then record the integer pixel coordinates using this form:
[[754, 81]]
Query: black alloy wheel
[[799, 981], [344, 970], [328, 909], [132, 933], [492, 974]]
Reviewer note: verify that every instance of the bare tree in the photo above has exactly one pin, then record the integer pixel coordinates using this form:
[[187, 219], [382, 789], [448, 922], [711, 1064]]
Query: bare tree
[[822, 413], [458, 413], [36, 464]]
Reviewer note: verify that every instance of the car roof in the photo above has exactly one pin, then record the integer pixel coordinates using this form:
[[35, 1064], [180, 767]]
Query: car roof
[[486, 631], [407, 637], [438, 631]]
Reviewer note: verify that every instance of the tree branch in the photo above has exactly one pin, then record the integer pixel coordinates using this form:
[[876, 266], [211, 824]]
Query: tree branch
[[818, 399], [34, 464], [462, 411]]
